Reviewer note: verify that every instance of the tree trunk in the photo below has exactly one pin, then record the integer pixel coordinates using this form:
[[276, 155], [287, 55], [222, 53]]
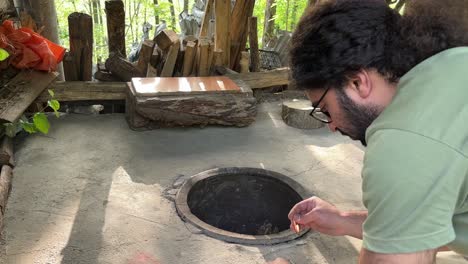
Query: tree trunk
[[173, 18], [454, 10], [293, 15], [269, 25], [186, 7], [156, 16], [287, 14], [116, 26]]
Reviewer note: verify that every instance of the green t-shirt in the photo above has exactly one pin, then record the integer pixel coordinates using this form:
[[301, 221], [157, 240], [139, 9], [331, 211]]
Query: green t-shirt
[[415, 174]]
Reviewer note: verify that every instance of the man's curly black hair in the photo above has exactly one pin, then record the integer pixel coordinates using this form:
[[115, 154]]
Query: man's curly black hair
[[336, 39]]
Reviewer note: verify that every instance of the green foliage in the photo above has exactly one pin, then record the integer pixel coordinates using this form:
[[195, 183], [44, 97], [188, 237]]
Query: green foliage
[[37, 123], [3, 54]]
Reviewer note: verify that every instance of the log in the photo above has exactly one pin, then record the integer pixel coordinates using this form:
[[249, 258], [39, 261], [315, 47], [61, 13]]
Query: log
[[187, 109], [21, 91], [5, 185], [189, 57], [296, 113], [203, 60], [166, 39], [70, 68], [85, 91], [115, 14], [144, 58], [244, 62], [6, 152], [80, 28], [204, 29], [253, 44], [105, 76], [171, 58], [243, 9], [122, 69], [222, 28]]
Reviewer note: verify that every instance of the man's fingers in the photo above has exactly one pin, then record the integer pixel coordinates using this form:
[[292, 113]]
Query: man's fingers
[[307, 218]]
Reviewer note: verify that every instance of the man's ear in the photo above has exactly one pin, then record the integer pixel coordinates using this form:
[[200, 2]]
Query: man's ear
[[361, 84]]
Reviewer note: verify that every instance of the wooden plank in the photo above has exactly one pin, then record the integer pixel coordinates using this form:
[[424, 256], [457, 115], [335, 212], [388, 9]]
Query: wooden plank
[[21, 91], [80, 28], [6, 152], [203, 66], [243, 9], [6, 174], [166, 39], [144, 58], [168, 69], [222, 29], [189, 57], [206, 19], [253, 44], [85, 91], [115, 15]]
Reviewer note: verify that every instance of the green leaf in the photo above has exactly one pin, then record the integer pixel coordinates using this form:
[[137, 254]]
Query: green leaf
[[3, 54], [29, 127], [41, 122], [51, 92], [54, 104]]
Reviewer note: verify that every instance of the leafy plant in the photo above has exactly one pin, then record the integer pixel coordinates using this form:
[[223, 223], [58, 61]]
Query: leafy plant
[[38, 122]]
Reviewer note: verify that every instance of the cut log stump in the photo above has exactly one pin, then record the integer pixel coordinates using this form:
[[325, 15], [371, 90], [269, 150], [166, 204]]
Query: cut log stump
[[192, 101], [296, 113]]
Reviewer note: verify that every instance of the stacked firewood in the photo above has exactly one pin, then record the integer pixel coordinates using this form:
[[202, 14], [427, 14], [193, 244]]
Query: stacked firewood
[[167, 55]]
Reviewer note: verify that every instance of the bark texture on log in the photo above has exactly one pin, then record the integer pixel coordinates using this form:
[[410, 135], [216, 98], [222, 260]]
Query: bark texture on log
[[6, 152], [229, 109], [296, 113], [253, 43], [122, 68], [116, 26]]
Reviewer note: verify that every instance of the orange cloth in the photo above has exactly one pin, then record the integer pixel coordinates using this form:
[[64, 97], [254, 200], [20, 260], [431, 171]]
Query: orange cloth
[[28, 49]]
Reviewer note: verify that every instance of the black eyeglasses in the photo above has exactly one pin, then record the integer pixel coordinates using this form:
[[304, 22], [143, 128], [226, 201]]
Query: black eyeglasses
[[322, 116]]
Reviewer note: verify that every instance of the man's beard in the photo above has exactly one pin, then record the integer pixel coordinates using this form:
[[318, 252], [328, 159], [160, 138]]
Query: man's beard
[[358, 117]]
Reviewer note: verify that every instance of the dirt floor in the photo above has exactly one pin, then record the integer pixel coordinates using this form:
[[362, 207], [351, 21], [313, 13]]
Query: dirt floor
[[94, 191]]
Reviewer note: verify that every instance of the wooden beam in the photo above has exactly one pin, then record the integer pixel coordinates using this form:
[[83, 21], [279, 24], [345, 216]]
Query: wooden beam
[[222, 29], [115, 14], [166, 39], [206, 19], [144, 58], [253, 43], [80, 27], [203, 60], [189, 57], [243, 9], [171, 58], [21, 91], [85, 91]]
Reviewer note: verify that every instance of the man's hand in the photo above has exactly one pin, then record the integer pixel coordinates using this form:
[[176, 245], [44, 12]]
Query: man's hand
[[325, 218], [279, 261]]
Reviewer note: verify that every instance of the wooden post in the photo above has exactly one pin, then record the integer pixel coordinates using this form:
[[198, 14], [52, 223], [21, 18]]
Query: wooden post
[[253, 43], [244, 62], [243, 9], [218, 58], [171, 58], [155, 57], [203, 65], [206, 19], [222, 28], [145, 55], [6, 152], [190, 51], [80, 57], [116, 26]]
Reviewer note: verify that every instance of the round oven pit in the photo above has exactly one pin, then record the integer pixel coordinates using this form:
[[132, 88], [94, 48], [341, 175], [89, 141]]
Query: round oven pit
[[241, 205]]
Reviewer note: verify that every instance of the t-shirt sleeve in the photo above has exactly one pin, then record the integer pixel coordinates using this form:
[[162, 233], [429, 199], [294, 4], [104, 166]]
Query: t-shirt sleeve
[[410, 188]]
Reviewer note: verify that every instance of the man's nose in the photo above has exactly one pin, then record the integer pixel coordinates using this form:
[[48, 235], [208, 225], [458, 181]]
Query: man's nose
[[332, 127]]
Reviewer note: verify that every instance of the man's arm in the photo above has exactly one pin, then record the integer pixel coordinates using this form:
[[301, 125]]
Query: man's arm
[[423, 257]]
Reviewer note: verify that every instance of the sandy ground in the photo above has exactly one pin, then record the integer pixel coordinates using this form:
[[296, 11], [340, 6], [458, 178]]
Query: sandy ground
[[92, 191]]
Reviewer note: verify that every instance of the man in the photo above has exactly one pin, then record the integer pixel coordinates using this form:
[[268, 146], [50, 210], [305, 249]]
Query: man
[[400, 86]]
